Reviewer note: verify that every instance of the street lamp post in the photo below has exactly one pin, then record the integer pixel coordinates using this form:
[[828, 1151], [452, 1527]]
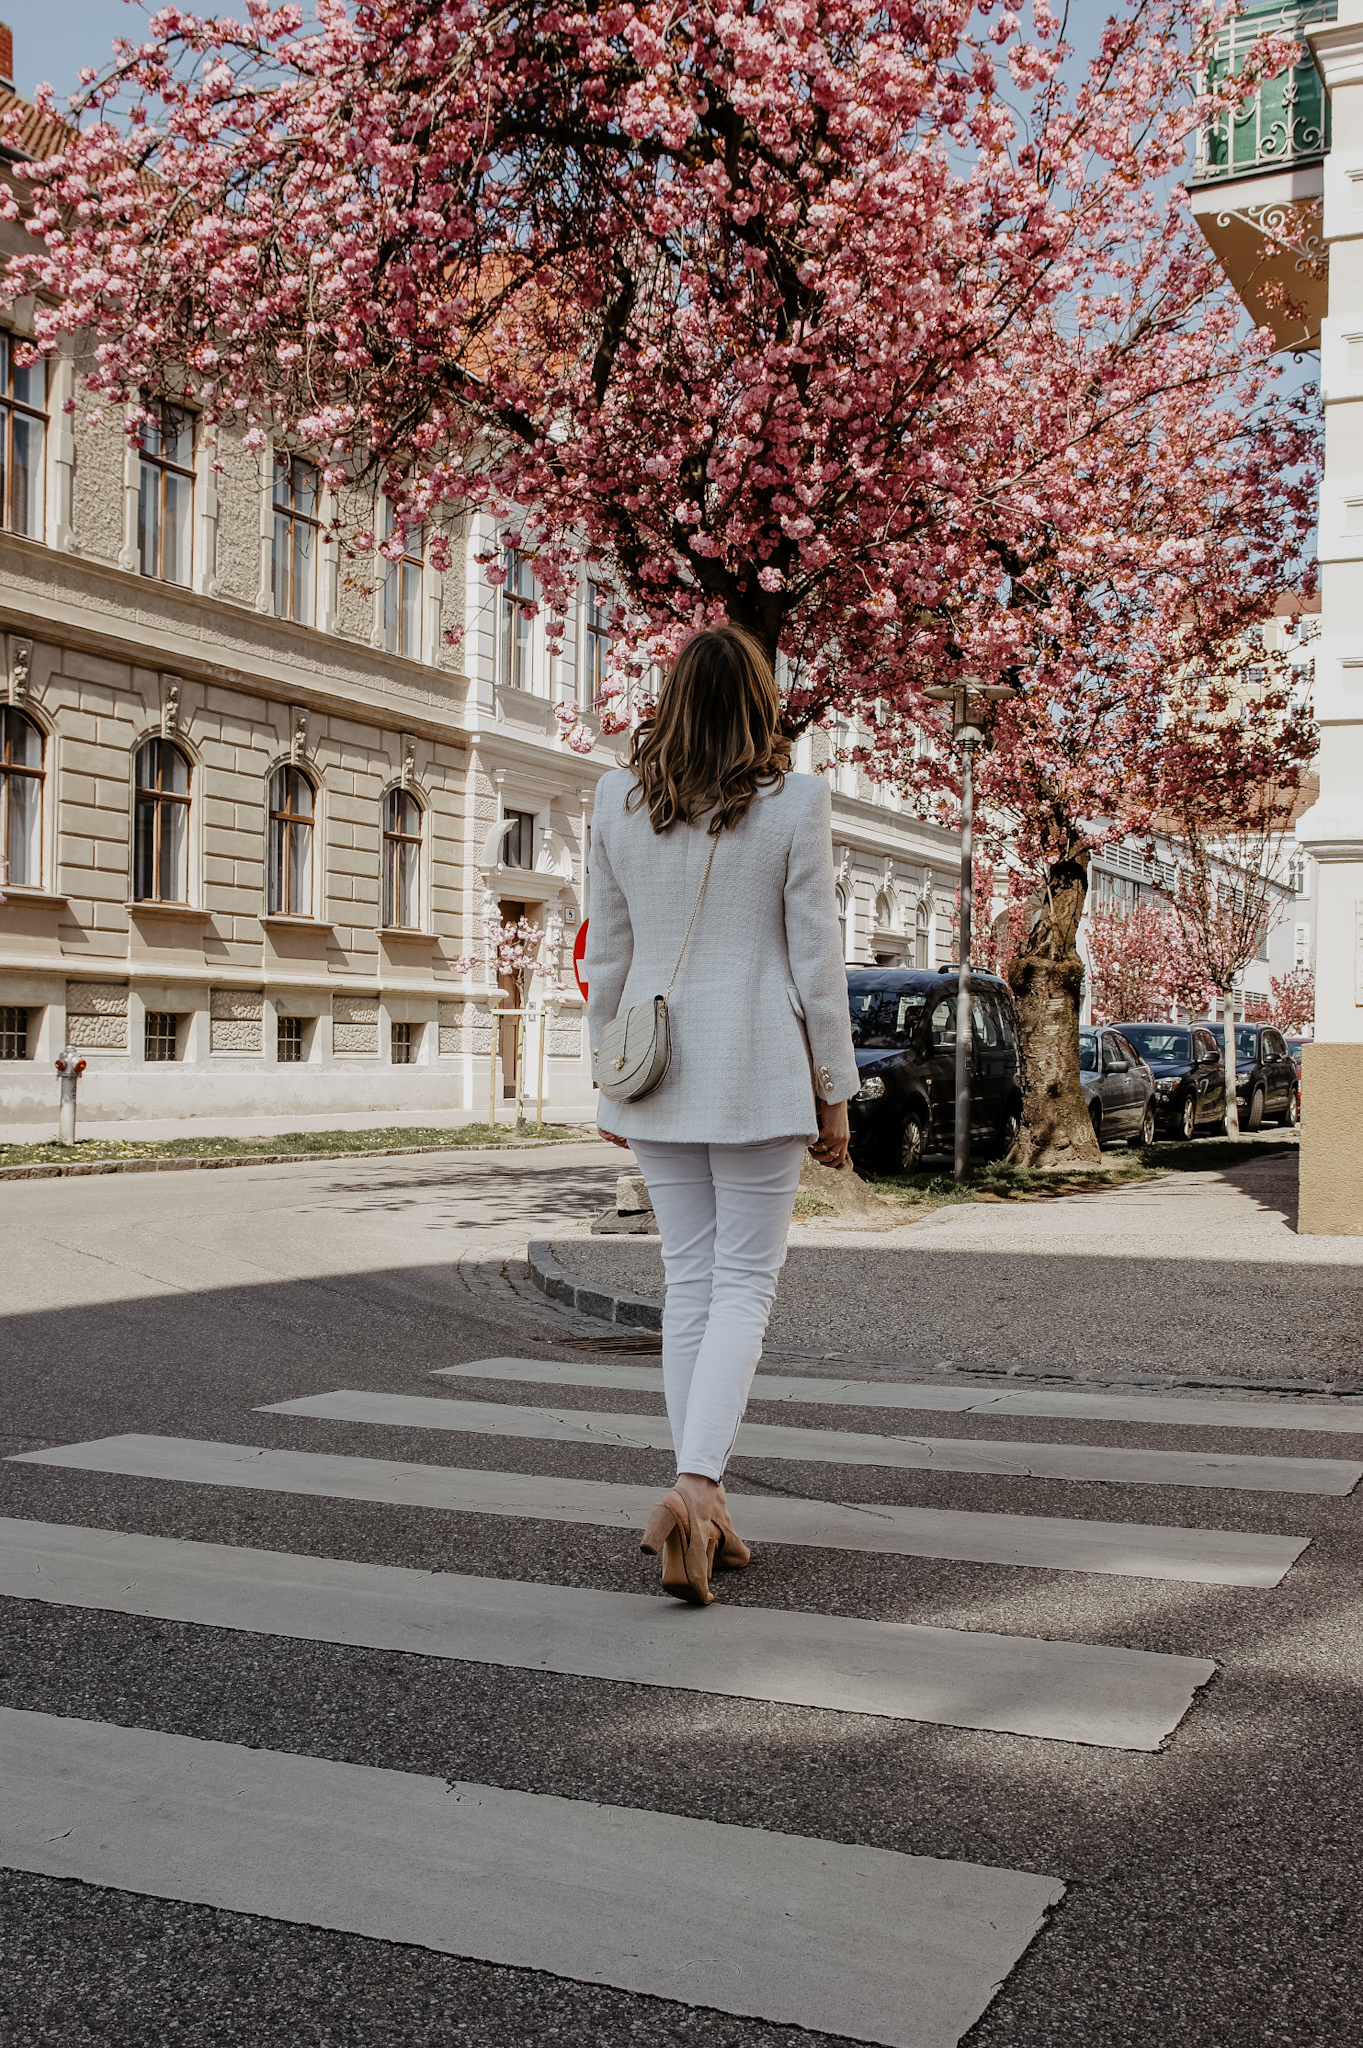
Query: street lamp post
[[967, 700]]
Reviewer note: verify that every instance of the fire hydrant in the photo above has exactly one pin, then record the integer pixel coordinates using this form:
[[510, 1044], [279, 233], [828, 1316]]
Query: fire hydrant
[[70, 1066]]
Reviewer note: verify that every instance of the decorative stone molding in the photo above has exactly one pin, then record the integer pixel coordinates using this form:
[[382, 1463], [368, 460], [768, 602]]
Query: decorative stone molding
[[18, 667], [354, 1023], [236, 1020], [97, 1015], [298, 735], [408, 770]]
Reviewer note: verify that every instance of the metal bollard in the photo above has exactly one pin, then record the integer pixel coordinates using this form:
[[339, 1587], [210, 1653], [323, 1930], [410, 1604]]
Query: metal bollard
[[70, 1066]]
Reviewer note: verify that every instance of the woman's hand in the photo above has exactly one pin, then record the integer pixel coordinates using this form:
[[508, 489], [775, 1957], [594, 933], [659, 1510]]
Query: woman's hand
[[830, 1147], [611, 1139]]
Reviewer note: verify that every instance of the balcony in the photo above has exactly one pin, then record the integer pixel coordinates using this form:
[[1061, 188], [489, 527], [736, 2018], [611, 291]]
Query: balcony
[[1257, 176]]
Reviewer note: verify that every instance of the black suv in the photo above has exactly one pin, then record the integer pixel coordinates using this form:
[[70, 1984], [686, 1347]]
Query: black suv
[[1190, 1086], [1266, 1080], [904, 1031]]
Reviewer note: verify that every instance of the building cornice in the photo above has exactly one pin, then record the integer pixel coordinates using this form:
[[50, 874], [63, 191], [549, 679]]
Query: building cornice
[[1338, 52], [41, 597]]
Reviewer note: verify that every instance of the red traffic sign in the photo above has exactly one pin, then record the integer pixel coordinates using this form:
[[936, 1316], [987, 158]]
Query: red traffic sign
[[579, 955]]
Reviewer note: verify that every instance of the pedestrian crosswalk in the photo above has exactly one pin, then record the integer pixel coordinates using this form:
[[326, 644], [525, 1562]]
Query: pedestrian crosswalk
[[1113, 1463], [860, 1943]]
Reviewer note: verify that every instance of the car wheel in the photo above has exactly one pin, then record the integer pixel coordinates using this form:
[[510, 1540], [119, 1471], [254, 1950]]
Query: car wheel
[[1187, 1120], [1256, 1110], [1008, 1132], [1096, 1119], [913, 1143], [1293, 1110], [1146, 1135]]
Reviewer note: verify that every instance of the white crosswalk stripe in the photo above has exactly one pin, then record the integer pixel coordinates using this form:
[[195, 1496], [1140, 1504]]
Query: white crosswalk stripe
[[904, 1950], [1069, 1692], [1132, 1550], [864, 1944], [1115, 1464], [1340, 1417]]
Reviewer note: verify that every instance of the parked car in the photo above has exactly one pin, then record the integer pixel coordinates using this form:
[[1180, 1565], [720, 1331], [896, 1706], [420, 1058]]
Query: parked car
[[1118, 1087], [904, 1032], [1267, 1083], [1294, 1046], [1185, 1060]]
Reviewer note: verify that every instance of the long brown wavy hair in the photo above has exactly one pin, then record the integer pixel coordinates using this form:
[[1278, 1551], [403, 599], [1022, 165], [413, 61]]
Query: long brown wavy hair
[[715, 737]]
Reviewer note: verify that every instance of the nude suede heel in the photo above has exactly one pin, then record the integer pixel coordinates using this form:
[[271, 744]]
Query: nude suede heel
[[688, 1557]]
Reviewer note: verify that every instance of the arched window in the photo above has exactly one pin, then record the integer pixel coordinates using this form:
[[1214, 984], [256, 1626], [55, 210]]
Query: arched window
[[161, 824], [922, 934], [842, 919], [288, 890], [401, 861], [21, 798]]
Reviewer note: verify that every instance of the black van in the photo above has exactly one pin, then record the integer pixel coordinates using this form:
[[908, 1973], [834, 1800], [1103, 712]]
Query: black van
[[904, 1032]]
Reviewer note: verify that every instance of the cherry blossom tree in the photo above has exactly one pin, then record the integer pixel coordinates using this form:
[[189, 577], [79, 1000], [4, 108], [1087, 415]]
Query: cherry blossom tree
[[1142, 965], [856, 322], [1291, 1003]]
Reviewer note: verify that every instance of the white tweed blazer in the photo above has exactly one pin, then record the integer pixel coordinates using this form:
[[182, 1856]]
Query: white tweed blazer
[[759, 1013]]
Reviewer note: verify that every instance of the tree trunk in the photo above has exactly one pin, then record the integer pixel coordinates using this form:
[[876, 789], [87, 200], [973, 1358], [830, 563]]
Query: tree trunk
[[1229, 1062], [1046, 976]]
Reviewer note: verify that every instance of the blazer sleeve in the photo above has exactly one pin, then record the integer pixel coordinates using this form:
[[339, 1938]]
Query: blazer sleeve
[[814, 943], [610, 940]]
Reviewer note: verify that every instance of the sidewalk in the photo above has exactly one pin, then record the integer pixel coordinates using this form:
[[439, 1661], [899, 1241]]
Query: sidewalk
[[1201, 1275], [158, 1130]]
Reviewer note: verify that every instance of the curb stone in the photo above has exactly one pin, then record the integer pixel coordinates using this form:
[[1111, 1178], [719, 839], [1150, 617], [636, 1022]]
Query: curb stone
[[559, 1285], [79, 1168]]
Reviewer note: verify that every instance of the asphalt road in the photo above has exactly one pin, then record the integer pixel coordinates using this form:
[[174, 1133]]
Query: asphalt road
[[1212, 1887]]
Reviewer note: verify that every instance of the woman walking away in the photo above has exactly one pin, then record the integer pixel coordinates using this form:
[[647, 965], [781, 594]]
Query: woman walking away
[[720, 1038]]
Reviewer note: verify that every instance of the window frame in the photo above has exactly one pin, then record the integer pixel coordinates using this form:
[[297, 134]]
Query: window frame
[[162, 1037], [515, 633], [12, 407], [596, 642], [11, 769], [278, 871], [393, 841], [294, 519], [161, 799], [162, 467], [394, 578], [523, 821]]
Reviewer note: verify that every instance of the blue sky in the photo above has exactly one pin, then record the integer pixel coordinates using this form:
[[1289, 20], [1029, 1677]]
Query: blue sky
[[53, 38]]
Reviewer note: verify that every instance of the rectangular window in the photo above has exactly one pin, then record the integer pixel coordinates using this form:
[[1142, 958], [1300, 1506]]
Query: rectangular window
[[297, 539], [165, 494], [161, 834], [23, 442], [21, 800], [596, 645], [518, 846], [1301, 946], [401, 861], [1261, 942], [161, 1035], [13, 1034], [289, 1043], [402, 1045], [402, 594], [518, 591]]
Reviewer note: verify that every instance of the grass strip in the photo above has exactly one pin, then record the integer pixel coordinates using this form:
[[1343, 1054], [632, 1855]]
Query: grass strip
[[995, 1181], [92, 1151]]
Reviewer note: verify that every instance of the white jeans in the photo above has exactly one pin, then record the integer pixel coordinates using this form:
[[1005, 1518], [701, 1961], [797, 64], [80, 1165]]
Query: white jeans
[[723, 1214]]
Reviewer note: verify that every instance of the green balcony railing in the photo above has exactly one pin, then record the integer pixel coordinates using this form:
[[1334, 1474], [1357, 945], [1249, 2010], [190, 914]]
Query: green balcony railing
[[1288, 120]]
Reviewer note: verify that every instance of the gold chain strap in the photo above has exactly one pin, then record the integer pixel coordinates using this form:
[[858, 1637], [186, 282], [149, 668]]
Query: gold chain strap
[[694, 908]]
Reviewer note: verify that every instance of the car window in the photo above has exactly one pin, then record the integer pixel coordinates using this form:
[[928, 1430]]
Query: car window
[[1113, 1056], [1129, 1051], [983, 1023], [943, 1022], [1246, 1043], [1204, 1045], [883, 1019], [1088, 1052], [1003, 1010], [1274, 1049], [1160, 1042]]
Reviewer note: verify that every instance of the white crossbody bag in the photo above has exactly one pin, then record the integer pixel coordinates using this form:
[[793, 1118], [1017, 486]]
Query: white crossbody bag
[[636, 1049]]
